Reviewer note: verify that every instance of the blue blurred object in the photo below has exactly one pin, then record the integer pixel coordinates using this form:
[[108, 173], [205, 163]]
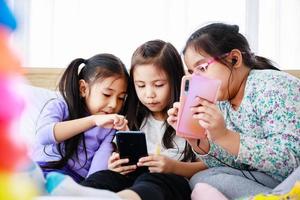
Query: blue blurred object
[[7, 18]]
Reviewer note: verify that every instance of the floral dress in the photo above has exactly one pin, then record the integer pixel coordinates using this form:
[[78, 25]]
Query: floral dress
[[268, 121]]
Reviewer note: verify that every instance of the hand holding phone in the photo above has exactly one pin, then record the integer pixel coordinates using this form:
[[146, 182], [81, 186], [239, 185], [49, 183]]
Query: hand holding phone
[[193, 86], [115, 163]]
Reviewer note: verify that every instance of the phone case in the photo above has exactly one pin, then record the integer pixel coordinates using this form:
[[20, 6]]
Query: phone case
[[191, 87], [132, 145]]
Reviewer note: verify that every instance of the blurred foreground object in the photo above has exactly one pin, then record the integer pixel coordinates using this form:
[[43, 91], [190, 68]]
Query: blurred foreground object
[[13, 154]]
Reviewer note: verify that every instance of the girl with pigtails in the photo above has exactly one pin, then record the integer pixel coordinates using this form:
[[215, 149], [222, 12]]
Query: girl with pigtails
[[74, 131]]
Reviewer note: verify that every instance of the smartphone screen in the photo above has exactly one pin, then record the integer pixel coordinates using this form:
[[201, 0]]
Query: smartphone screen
[[193, 86], [131, 145]]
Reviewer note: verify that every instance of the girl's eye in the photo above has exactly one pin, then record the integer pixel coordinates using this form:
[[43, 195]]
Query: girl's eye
[[122, 98], [140, 86], [202, 67], [190, 71], [107, 95], [159, 85]]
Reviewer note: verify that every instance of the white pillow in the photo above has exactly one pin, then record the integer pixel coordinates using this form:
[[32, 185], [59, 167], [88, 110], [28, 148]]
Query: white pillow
[[35, 99]]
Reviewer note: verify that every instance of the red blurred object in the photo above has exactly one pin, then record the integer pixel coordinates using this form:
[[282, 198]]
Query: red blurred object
[[12, 152]]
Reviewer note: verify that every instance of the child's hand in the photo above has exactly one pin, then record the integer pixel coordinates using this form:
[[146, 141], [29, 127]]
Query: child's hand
[[157, 163], [111, 121], [173, 112], [120, 123], [210, 118], [115, 164]]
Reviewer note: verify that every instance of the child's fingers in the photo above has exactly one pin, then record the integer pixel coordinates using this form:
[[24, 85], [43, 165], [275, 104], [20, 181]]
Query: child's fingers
[[124, 123], [172, 111], [148, 158], [127, 169], [203, 117], [127, 172], [114, 156], [172, 119], [204, 124], [118, 119], [154, 169], [152, 160], [176, 105], [148, 164], [122, 126], [206, 103], [117, 163], [126, 128]]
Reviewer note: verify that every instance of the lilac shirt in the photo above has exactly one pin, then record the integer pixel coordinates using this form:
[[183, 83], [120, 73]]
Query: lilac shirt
[[98, 141]]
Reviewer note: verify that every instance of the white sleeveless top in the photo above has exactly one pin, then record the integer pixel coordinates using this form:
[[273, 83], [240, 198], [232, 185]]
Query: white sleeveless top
[[154, 130]]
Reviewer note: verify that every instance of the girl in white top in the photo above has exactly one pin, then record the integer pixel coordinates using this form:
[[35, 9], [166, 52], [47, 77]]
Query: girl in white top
[[154, 85]]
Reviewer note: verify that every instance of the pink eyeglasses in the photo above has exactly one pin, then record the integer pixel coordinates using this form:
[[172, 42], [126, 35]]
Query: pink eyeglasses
[[204, 63]]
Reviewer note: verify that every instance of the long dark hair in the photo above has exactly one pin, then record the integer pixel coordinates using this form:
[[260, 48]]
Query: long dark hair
[[97, 67], [216, 39], [164, 56]]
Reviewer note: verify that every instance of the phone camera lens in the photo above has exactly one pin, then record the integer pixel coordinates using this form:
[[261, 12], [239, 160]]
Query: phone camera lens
[[187, 84]]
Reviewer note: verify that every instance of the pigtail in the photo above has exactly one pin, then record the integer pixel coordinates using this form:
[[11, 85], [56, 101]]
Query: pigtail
[[263, 63], [69, 84], [69, 89]]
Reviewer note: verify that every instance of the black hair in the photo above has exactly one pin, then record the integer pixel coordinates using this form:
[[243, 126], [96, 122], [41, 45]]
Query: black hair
[[216, 39], [97, 67], [164, 56]]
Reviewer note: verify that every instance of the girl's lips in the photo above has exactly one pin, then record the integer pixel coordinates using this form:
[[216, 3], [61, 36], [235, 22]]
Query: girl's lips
[[103, 113], [152, 104]]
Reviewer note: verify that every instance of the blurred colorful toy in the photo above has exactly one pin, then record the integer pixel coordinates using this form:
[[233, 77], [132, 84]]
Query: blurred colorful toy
[[14, 187], [12, 101], [14, 184], [12, 153], [9, 63], [7, 18]]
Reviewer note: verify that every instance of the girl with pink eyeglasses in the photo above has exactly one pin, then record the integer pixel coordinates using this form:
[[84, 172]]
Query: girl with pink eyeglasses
[[253, 131]]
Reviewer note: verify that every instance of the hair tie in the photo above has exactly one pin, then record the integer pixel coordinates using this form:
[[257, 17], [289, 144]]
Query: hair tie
[[82, 65]]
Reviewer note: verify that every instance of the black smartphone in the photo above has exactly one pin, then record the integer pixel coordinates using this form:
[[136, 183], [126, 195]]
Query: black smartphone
[[131, 145]]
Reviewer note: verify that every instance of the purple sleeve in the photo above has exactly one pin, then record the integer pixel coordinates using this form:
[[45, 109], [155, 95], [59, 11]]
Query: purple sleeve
[[100, 159], [53, 112]]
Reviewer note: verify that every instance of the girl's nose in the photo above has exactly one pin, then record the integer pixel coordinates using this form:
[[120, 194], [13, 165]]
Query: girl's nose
[[113, 103], [150, 92]]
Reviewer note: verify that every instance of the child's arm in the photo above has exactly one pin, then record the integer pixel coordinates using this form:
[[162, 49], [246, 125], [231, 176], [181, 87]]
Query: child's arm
[[52, 127], [163, 164], [68, 129], [54, 130], [188, 169]]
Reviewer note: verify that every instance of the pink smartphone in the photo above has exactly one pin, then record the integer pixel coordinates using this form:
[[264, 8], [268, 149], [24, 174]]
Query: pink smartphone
[[193, 86]]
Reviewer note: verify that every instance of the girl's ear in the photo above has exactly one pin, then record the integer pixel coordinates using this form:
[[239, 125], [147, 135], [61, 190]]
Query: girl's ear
[[236, 58], [83, 88]]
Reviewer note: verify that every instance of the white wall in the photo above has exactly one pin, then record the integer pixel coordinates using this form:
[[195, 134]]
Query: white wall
[[58, 31]]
